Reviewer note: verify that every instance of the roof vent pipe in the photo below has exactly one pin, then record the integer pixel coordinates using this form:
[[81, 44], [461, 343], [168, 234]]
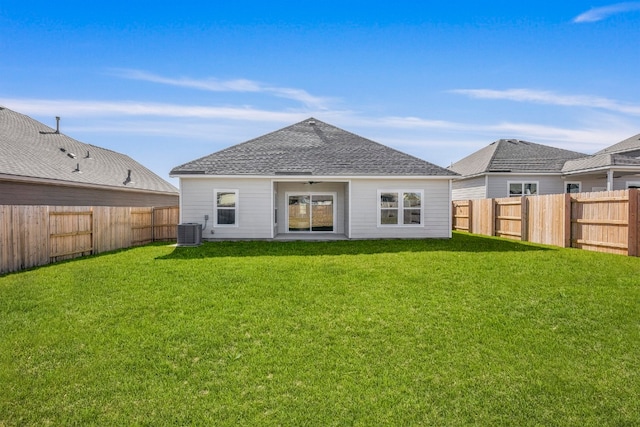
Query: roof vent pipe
[[57, 124], [128, 179]]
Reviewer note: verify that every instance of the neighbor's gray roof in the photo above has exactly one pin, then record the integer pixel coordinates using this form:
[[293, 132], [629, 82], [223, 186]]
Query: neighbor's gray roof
[[512, 155], [311, 147], [629, 147], [600, 161], [31, 149]]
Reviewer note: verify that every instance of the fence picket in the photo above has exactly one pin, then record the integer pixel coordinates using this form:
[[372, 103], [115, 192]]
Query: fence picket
[[31, 236], [604, 221]]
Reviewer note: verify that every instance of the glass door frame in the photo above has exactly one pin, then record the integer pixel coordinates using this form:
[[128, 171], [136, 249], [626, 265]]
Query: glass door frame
[[311, 194]]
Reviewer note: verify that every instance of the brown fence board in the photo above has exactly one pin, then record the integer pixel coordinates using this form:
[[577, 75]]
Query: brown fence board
[[546, 219], [604, 221], [461, 214], [165, 223], [508, 217], [33, 235], [70, 232]]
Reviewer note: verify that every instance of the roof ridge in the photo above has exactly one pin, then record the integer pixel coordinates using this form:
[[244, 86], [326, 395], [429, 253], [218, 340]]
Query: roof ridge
[[497, 144]]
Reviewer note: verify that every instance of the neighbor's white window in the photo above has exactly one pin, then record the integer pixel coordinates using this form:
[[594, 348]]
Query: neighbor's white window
[[573, 187], [633, 184], [520, 188], [225, 208], [400, 207]]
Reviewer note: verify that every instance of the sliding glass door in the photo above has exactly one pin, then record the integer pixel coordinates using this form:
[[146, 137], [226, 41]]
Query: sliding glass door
[[311, 212]]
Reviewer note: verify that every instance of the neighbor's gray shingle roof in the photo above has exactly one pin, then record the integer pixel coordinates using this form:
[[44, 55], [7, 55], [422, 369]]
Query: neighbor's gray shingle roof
[[311, 147], [599, 161], [31, 149], [512, 155], [629, 147]]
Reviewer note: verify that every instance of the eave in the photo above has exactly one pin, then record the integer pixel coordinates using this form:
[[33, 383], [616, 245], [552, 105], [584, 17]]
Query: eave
[[294, 177], [63, 183]]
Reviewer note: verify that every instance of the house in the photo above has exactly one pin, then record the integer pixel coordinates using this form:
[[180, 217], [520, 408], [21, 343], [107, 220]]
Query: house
[[511, 167], [615, 168], [313, 180], [42, 166]]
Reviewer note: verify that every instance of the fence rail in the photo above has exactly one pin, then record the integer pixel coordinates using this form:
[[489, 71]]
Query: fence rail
[[603, 221], [31, 236]]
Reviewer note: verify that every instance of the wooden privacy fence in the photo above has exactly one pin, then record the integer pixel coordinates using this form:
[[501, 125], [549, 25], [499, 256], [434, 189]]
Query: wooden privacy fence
[[604, 221], [37, 235]]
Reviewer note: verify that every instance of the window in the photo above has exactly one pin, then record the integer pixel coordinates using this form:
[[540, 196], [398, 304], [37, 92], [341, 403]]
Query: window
[[226, 208], [400, 208], [573, 187], [633, 184], [519, 189]]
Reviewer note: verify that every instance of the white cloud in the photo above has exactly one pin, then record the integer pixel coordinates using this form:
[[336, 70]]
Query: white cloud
[[226, 123], [236, 85], [552, 98], [599, 13], [130, 108]]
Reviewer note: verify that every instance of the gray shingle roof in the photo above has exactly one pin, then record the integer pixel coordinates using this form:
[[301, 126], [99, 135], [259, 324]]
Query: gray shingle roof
[[512, 155], [31, 149], [311, 147], [599, 161], [629, 147]]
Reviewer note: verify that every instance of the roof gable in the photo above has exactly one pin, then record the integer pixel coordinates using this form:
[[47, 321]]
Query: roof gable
[[33, 150], [311, 147], [512, 155]]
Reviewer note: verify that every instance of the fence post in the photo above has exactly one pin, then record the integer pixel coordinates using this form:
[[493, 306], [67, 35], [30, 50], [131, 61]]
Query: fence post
[[470, 214], [633, 222], [492, 214], [153, 224], [524, 219], [567, 220]]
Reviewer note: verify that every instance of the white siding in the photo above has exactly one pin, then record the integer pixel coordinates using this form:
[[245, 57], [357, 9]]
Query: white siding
[[588, 183], [547, 184], [621, 183], [254, 206], [469, 189], [359, 197], [365, 205]]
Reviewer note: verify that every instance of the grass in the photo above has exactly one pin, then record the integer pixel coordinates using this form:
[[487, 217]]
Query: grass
[[468, 331]]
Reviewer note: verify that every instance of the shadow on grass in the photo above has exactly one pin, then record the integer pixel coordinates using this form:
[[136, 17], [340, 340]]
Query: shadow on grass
[[459, 243]]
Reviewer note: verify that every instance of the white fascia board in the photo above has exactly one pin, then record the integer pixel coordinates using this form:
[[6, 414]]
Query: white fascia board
[[486, 174], [627, 168], [297, 178]]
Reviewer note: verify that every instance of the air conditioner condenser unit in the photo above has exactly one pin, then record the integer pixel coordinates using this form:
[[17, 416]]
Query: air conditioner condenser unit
[[189, 234]]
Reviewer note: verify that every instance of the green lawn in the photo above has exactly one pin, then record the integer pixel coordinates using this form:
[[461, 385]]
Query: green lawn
[[468, 331]]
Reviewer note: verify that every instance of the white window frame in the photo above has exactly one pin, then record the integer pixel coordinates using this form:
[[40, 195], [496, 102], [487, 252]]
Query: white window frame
[[567, 183], [634, 184], [401, 208], [523, 183], [215, 206]]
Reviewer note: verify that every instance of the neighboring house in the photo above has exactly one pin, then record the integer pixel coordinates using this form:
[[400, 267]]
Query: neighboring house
[[510, 167], [313, 180], [614, 168], [513, 168], [41, 166]]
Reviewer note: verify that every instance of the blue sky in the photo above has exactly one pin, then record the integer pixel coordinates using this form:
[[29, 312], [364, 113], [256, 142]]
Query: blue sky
[[168, 82]]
